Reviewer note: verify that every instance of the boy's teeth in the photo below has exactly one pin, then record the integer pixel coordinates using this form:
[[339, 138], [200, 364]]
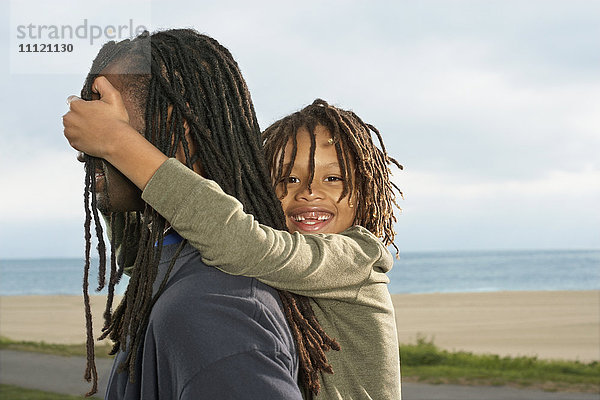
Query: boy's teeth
[[312, 218]]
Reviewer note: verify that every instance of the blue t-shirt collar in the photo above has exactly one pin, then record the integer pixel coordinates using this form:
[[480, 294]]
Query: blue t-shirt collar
[[171, 238]]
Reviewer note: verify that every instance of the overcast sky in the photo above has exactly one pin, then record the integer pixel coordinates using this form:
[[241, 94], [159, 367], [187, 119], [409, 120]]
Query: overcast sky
[[493, 107]]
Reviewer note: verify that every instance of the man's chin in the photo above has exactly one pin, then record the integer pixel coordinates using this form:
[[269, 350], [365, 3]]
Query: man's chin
[[105, 205], [102, 204]]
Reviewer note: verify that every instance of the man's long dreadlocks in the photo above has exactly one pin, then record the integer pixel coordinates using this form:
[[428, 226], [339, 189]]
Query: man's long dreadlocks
[[370, 185], [184, 77]]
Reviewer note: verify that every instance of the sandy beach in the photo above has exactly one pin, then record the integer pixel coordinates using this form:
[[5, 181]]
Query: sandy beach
[[549, 324]]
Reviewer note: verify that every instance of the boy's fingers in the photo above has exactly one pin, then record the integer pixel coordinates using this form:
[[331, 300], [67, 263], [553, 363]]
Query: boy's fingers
[[73, 120], [107, 91], [68, 118], [65, 119], [71, 99], [76, 104]]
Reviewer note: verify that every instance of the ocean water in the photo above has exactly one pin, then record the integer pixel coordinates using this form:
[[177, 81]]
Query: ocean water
[[491, 271], [49, 276], [423, 272]]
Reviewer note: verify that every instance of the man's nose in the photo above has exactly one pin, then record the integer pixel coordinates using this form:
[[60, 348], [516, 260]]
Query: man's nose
[[80, 156]]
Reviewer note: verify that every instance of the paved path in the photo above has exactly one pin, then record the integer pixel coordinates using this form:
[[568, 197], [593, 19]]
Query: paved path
[[50, 373], [65, 375], [419, 391]]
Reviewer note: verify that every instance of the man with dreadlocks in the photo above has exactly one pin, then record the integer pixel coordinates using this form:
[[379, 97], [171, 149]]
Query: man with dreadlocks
[[184, 330], [334, 185]]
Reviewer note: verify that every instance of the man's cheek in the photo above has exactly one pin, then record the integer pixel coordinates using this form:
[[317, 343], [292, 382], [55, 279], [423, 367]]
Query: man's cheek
[[122, 194]]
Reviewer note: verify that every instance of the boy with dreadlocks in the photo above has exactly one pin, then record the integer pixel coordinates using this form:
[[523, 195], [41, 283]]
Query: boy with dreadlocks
[[183, 330], [334, 186]]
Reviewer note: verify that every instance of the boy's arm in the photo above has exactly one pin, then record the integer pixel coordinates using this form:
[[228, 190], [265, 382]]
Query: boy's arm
[[325, 265]]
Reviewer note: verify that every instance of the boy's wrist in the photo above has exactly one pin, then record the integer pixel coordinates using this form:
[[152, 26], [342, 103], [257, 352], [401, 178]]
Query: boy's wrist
[[120, 139], [134, 156]]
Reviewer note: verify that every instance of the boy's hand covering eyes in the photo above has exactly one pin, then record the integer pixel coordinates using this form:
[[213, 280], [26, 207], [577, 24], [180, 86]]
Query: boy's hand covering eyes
[[95, 126]]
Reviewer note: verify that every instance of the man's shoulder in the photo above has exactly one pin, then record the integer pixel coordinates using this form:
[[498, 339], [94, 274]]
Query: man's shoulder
[[205, 320], [208, 314], [193, 281]]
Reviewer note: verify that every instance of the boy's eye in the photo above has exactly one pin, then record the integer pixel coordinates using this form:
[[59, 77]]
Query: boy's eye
[[334, 179], [290, 179]]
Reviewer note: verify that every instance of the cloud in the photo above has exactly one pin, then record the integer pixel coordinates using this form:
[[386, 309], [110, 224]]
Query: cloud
[[446, 211], [491, 106], [41, 185], [555, 184], [479, 119]]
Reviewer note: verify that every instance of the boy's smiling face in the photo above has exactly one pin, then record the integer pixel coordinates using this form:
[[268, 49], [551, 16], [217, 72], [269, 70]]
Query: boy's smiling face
[[316, 210]]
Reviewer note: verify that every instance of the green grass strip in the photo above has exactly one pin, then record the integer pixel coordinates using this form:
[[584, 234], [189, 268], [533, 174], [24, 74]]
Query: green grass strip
[[425, 362], [10, 392], [68, 350]]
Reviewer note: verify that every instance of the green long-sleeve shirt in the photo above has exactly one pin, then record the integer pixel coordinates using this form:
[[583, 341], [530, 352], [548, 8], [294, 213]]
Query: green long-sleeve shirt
[[343, 274]]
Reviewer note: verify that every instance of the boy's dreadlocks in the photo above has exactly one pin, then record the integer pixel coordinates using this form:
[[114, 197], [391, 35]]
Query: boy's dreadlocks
[[370, 185], [184, 77]]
